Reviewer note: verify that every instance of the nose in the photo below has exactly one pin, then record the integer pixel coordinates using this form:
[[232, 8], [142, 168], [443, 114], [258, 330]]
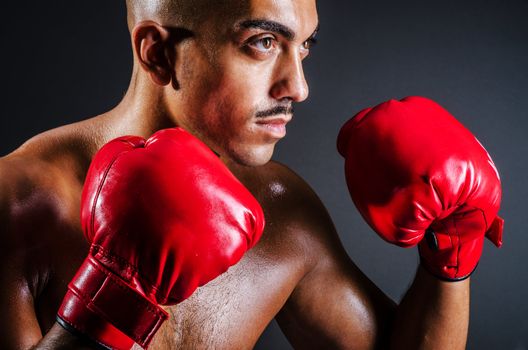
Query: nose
[[290, 82]]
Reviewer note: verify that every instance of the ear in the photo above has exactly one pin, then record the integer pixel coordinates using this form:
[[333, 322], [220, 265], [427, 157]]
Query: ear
[[152, 48]]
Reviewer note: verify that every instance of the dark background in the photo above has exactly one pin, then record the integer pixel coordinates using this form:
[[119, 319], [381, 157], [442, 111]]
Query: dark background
[[62, 61]]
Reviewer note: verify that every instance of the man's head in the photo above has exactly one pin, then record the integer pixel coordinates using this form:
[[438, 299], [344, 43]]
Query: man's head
[[228, 71]]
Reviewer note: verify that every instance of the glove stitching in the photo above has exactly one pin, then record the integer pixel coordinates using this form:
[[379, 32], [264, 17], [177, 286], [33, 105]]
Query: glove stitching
[[124, 287], [88, 300], [81, 328], [123, 263]]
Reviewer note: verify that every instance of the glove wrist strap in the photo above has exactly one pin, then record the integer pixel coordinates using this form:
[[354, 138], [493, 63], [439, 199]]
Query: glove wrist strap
[[104, 307], [447, 257]]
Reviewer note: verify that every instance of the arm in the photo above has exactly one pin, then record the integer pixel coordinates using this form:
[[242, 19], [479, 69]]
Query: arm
[[60, 339], [336, 306], [19, 328], [19, 273], [433, 314]]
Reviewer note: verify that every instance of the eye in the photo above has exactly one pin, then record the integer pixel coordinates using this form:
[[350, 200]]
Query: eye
[[308, 44], [264, 44]]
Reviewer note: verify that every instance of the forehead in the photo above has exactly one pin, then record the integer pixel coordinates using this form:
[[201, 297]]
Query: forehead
[[299, 15], [288, 10]]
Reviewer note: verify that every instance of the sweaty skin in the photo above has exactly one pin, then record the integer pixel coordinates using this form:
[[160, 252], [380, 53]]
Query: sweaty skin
[[215, 84]]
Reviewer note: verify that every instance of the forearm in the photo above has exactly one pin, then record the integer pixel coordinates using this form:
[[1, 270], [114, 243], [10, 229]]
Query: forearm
[[59, 338], [433, 314]]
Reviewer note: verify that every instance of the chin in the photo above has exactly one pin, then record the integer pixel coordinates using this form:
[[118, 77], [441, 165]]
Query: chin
[[252, 156]]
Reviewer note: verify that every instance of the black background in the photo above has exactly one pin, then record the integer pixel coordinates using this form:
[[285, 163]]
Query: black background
[[64, 61]]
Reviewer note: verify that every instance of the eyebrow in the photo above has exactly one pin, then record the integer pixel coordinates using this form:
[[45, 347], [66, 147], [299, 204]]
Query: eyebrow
[[272, 26]]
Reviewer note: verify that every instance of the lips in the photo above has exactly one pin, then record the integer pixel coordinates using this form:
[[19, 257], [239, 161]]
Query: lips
[[275, 127]]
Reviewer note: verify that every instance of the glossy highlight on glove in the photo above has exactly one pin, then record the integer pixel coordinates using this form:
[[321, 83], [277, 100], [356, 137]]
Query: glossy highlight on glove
[[410, 167]]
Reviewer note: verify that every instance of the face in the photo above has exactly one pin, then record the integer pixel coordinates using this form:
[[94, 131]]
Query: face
[[240, 73]]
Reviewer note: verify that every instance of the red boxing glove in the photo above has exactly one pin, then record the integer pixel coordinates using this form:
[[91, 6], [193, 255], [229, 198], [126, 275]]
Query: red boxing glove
[[164, 216], [414, 171]]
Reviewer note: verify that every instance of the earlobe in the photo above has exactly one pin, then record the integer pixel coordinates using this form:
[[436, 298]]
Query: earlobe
[[150, 42]]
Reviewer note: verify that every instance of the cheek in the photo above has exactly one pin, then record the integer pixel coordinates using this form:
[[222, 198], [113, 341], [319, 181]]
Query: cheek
[[224, 86], [227, 100], [243, 89], [216, 109], [220, 101]]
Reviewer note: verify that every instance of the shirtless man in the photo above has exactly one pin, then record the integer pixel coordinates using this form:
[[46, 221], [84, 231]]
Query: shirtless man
[[234, 60]]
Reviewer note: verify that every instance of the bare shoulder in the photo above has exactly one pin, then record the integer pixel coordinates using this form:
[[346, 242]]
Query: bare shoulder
[[70, 146], [41, 182], [44, 173], [36, 198], [293, 209], [30, 186], [281, 190]]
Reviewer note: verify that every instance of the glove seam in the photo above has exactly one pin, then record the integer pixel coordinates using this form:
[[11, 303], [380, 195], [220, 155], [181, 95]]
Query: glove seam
[[134, 271], [121, 285], [89, 302], [99, 250]]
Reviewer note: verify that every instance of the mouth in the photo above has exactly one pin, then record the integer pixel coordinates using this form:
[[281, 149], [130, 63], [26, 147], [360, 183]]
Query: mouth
[[274, 126]]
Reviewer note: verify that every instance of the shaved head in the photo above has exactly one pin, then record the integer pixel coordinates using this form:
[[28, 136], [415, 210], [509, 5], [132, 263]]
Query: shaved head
[[165, 12], [177, 13]]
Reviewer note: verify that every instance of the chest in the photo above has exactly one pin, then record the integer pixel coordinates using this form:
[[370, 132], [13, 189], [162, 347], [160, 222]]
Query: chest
[[230, 312]]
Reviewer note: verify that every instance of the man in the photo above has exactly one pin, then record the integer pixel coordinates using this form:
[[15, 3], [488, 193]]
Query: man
[[228, 72]]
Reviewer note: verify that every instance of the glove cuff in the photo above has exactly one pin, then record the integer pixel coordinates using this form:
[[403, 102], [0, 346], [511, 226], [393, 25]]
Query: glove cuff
[[102, 306], [447, 257], [441, 273]]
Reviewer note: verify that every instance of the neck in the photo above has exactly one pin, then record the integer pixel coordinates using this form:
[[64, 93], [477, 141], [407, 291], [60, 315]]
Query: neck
[[142, 110]]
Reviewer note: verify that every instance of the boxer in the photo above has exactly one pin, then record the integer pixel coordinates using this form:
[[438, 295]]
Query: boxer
[[227, 74]]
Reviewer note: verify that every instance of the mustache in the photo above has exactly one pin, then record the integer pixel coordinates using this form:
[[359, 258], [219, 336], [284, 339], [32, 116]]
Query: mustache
[[278, 110]]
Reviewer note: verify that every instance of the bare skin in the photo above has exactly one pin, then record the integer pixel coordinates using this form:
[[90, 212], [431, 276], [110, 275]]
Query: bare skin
[[298, 273]]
